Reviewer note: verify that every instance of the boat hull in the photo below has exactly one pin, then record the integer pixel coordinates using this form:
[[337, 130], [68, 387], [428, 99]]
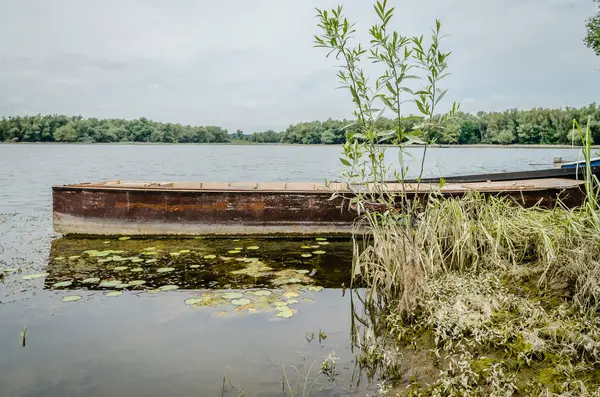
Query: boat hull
[[291, 209]]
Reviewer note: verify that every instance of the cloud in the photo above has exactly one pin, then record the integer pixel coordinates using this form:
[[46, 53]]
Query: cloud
[[252, 65]]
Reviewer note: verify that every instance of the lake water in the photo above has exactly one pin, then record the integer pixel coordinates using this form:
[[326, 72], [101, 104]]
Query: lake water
[[148, 343]]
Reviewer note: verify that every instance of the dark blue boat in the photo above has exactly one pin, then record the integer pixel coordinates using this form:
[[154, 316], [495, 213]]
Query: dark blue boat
[[581, 164]]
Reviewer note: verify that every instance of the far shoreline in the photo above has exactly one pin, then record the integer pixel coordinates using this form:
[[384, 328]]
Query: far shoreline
[[439, 146]]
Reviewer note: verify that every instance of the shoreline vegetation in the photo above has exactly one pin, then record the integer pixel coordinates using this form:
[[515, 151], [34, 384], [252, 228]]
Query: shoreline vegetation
[[463, 296], [512, 127]]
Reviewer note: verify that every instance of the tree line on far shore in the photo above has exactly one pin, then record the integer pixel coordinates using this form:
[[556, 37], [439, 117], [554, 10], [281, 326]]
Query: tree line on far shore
[[534, 126]]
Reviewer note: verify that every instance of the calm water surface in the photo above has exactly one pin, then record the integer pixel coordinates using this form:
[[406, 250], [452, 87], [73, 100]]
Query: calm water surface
[[153, 344]]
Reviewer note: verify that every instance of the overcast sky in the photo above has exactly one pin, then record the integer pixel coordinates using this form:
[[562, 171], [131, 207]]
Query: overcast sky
[[250, 64]]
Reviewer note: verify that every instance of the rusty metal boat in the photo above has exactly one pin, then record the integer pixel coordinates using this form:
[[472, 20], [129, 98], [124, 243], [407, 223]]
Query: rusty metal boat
[[274, 208]]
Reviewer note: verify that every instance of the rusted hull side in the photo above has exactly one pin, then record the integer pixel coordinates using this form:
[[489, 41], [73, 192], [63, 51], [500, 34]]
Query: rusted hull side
[[145, 212], [153, 212]]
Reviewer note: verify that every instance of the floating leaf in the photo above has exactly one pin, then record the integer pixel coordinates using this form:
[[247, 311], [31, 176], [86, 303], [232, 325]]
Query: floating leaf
[[118, 258], [59, 258], [262, 293], [151, 260], [91, 252], [291, 294], [319, 252], [210, 256], [279, 304], [168, 287], [234, 252], [62, 284], [315, 246], [122, 286], [91, 280], [253, 247], [174, 254], [193, 301], [306, 247], [323, 243], [321, 239], [184, 251], [110, 284], [106, 242], [137, 269], [315, 288], [292, 281], [232, 295], [124, 238], [194, 266], [150, 253], [149, 249], [74, 256], [137, 282], [306, 255], [138, 260], [165, 269], [282, 308], [71, 298], [241, 302], [302, 271], [252, 260], [238, 248], [113, 293], [121, 268], [286, 314], [34, 276], [292, 301]]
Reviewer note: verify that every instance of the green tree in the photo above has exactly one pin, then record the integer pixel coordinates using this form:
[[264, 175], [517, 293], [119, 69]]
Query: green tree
[[592, 38], [66, 133]]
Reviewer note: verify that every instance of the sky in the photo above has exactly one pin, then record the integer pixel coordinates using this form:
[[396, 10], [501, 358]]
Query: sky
[[251, 65]]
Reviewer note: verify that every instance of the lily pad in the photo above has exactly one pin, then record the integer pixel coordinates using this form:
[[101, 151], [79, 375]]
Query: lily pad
[[91, 252], [71, 298], [91, 280], [122, 286], [262, 293], [306, 255], [168, 287], [105, 260], [286, 314], [323, 242], [319, 252], [165, 269], [149, 249], [110, 284], [315, 246], [234, 252], [106, 242], [291, 294], [137, 269], [121, 268], [306, 247], [62, 284], [174, 254], [302, 271], [210, 256], [74, 256], [34, 276], [279, 304], [151, 260], [59, 258], [315, 288], [239, 248], [253, 247], [241, 302], [124, 238], [137, 282], [292, 301], [184, 251], [232, 295], [193, 301], [150, 253], [113, 294], [321, 239], [138, 260], [282, 308], [194, 266]]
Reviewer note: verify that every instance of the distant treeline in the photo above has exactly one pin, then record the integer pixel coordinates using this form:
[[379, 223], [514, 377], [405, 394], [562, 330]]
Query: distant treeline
[[535, 126]]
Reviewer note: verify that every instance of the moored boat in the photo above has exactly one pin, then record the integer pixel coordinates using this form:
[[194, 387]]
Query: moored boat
[[274, 208]]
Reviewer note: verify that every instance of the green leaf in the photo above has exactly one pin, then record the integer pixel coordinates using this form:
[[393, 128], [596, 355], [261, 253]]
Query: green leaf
[[345, 162]]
